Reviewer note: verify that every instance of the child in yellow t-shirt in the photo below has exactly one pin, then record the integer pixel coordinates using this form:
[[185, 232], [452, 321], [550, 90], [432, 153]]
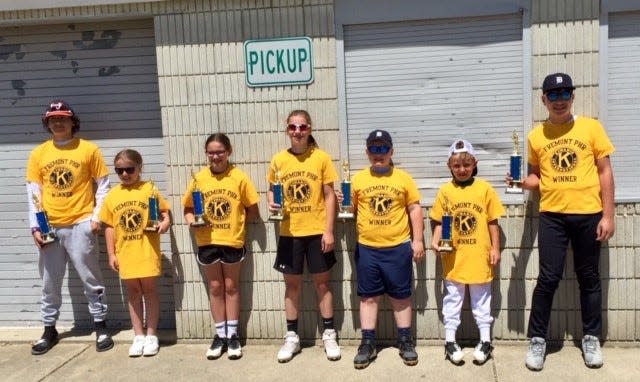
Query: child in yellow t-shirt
[[133, 245], [475, 207]]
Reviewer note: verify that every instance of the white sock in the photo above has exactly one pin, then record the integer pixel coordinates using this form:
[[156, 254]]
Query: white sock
[[221, 329], [232, 327], [450, 335], [485, 334]]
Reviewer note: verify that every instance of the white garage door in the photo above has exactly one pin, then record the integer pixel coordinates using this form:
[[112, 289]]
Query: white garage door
[[428, 82], [623, 95], [107, 72]]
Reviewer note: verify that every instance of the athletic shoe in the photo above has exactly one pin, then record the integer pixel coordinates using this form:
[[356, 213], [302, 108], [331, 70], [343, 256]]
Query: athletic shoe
[[407, 351], [367, 352], [137, 347], [535, 354], [151, 346], [103, 337], [216, 348], [331, 348], [46, 342], [591, 351], [234, 349], [453, 352], [482, 352], [291, 346]]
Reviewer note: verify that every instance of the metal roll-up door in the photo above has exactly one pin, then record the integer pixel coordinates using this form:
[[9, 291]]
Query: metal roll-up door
[[430, 81], [623, 96], [107, 71]]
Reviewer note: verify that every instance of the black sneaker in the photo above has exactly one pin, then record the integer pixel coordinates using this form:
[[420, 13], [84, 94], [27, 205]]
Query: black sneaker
[[234, 349], [407, 351], [482, 352], [46, 342], [453, 352], [103, 338], [366, 353], [217, 347]]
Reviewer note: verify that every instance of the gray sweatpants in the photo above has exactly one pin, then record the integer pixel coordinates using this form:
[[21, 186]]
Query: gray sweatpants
[[76, 243]]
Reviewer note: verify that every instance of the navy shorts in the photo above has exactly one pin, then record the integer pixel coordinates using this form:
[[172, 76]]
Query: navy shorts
[[385, 270], [293, 252], [211, 254]]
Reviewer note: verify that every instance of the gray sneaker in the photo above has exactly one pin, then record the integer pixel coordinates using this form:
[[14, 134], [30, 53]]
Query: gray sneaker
[[535, 354], [591, 351]]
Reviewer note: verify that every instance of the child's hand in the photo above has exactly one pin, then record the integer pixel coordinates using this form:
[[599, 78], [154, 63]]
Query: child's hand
[[163, 226], [339, 197], [113, 263], [494, 256]]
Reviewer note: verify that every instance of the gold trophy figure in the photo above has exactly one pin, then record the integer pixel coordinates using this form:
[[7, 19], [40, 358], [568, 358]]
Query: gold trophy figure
[[198, 204], [278, 197], [154, 210], [515, 167], [445, 244], [46, 232]]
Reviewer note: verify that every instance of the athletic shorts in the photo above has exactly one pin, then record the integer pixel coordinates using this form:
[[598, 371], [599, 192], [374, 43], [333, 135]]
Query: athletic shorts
[[211, 254], [294, 251], [384, 270]]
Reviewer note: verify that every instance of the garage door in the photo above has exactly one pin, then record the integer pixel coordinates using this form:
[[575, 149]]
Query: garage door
[[431, 81]]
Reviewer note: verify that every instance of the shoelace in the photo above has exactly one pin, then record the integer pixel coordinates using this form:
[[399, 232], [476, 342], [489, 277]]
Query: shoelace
[[537, 349], [590, 346]]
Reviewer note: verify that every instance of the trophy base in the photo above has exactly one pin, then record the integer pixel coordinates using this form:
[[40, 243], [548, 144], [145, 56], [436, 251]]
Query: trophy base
[[515, 188], [199, 224], [445, 246], [276, 218], [151, 229], [345, 215], [48, 238]]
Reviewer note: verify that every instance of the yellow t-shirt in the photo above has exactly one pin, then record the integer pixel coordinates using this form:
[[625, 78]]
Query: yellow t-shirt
[[226, 197], [382, 217], [566, 155], [67, 175], [472, 208], [303, 177], [126, 209]]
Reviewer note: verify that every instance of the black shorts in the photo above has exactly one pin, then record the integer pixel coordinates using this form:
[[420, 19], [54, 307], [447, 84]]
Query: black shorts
[[211, 254], [292, 252]]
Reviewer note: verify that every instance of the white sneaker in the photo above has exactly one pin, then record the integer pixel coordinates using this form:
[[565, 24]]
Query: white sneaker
[[151, 346], [331, 347], [137, 347], [535, 354], [291, 346], [591, 351]]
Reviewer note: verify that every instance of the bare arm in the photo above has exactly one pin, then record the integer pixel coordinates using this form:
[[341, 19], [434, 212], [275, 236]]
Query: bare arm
[[110, 239], [330, 207], [417, 231], [494, 234], [606, 226]]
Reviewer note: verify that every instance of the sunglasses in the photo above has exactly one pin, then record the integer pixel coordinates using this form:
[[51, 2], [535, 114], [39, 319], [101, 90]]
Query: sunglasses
[[384, 149], [302, 127], [563, 95], [121, 170], [217, 152]]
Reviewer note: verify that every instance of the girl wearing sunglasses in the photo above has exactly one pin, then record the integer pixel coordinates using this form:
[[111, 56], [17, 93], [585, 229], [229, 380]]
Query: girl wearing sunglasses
[[134, 252], [230, 200], [306, 232], [390, 229]]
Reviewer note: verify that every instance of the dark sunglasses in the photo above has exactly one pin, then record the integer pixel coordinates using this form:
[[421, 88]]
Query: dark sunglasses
[[217, 152], [563, 95], [302, 127], [379, 149], [121, 170]]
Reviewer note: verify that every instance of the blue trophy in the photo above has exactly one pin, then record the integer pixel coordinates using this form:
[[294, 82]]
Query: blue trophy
[[445, 244], [198, 204], [515, 167], [154, 210], [345, 186], [46, 232], [278, 197]]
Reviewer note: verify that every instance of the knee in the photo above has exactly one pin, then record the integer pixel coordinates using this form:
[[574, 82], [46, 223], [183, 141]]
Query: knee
[[216, 289]]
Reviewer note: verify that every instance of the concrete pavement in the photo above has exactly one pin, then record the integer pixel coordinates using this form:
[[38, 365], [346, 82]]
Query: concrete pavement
[[75, 359]]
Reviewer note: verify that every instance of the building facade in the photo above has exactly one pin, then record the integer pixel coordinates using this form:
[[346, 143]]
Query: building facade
[[160, 76]]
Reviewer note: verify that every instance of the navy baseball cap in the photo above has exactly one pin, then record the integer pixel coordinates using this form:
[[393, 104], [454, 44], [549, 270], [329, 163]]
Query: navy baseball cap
[[557, 81]]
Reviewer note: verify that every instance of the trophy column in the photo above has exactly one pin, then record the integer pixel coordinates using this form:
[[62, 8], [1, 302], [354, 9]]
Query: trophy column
[[198, 204]]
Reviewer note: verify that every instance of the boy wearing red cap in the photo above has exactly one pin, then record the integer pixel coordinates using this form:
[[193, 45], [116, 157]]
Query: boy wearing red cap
[[61, 175]]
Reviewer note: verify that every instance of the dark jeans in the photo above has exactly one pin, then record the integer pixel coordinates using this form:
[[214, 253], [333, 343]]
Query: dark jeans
[[556, 230]]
